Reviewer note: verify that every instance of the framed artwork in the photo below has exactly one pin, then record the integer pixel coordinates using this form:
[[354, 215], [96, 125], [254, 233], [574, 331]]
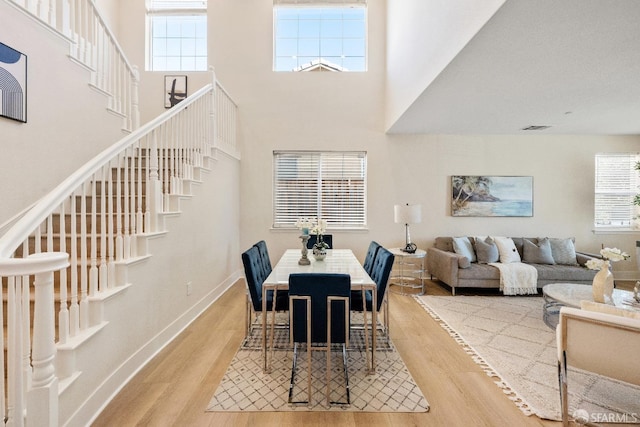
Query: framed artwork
[[491, 195], [13, 84], [175, 90]]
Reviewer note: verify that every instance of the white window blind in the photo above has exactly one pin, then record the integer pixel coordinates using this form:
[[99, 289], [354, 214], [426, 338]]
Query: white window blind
[[324, 185], [615, 187]]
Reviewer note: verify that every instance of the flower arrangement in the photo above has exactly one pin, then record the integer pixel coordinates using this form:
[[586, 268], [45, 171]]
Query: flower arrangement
[[608, 255], [318, 228], [304, 224]]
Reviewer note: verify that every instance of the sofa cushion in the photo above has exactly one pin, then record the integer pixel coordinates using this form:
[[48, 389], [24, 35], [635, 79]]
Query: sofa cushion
[[444, 243], [507, 250], [462, 246], [537, 253], [563, 251], [486, 250]]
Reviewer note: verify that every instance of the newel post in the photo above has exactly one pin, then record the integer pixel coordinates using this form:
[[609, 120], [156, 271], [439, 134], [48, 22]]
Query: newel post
[[42, 397], [213, 139], [152, 216]]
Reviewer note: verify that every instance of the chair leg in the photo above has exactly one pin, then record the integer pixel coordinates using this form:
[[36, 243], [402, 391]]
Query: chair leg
[[564, 402], [293, 371], [345, 301], [295, 347]]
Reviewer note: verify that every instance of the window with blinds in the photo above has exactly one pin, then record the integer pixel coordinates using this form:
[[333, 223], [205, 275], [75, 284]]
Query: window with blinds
[[325, 185], [177, 35], [327, 35], [615, 188]]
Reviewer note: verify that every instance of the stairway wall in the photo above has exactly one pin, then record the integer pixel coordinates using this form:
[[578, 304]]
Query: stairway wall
[[67, 121]]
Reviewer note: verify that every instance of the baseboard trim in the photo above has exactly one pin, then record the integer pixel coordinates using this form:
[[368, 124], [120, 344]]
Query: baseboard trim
[[91, 408]]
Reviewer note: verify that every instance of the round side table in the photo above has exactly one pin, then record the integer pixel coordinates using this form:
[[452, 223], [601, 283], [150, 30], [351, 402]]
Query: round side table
[[407, 276]]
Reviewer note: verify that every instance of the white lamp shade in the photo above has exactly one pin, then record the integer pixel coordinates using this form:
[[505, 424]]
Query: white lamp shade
[[407, 214]]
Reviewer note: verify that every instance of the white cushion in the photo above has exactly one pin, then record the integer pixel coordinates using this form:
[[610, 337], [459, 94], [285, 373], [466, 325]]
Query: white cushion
[[462, 246], [507, 250]]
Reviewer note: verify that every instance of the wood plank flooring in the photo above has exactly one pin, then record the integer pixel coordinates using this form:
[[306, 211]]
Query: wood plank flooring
[[175, 388]]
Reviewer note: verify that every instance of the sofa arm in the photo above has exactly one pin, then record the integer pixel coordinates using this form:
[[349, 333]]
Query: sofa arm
[[583, 257], [443, 265]]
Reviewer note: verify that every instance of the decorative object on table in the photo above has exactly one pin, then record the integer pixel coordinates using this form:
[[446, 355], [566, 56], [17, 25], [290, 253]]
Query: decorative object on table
[[13, 84], [304, 224], [491, 195], [603, 280], [320, 247], [636, 292], [175, 90], [408, 214]]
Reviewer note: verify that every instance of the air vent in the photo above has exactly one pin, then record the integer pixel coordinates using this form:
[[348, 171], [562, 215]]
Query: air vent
[[536, 127]]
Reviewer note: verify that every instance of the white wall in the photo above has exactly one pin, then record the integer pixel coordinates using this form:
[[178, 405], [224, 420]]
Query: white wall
[[63, 116], [422, 38], [280, 111]]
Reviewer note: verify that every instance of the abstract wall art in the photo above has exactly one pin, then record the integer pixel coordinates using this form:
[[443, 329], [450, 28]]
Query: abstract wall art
[[175, 90], [13, 84]]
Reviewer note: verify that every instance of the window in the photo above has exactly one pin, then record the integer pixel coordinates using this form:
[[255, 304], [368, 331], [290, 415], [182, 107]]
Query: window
[[313, 36], [177, 35], [326, 185], [615, 188]]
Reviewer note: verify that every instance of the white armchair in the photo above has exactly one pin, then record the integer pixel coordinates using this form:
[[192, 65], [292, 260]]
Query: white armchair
[[603, 343]]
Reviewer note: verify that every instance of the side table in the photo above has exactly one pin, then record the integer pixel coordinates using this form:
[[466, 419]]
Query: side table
[[407, 276]]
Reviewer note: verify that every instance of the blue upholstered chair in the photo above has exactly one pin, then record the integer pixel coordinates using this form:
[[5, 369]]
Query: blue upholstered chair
[[380, 272], [313, 239], [255, 273], [265, 261], [371, 256], [319, 315]]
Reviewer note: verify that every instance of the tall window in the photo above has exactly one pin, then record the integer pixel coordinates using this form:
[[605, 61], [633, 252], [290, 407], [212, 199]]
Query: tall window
[[325, 185], [616, 185], [317, 36], [177, 35]]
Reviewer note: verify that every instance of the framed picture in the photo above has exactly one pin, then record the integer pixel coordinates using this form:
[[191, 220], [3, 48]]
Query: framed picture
[[13, 84], [491, 195], [175, 90]]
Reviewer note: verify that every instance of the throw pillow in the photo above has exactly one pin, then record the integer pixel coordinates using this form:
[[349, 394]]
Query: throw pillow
[[563, 251], [486, 250], [462, 246], [539, 253], [507, 250]]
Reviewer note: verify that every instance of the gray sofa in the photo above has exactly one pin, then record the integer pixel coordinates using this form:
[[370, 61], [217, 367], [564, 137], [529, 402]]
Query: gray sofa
[[456, 271]]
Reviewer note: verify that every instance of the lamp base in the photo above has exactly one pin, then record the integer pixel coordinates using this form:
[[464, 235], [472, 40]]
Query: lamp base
[[410, 248]]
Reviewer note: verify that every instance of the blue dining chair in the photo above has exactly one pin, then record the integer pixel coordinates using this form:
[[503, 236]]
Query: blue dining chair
[[313, 239], [255, 274], [371, 256], [263, 254], [380, 272], [319, 314]]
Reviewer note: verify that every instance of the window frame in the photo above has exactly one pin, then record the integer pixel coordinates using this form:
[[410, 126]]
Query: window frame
[[179, 10], [320, 62], [317, 199], [616, 184]]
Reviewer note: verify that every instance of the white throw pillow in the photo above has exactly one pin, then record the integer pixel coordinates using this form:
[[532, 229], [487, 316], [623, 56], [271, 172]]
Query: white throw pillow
[[462, 246], [507, 250]]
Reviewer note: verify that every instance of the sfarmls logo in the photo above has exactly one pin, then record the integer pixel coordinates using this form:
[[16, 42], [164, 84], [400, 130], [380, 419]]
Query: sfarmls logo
[[582, 416]]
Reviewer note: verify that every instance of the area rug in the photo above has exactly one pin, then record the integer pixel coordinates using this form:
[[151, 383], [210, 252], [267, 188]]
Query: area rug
[[507, 337], [245, 387]]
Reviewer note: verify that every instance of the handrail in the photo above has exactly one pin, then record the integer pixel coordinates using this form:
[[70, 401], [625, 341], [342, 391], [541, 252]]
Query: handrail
[[43, 208]]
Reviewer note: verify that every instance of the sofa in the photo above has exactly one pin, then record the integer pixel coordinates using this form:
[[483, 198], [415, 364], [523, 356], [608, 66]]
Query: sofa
[[463, 262]]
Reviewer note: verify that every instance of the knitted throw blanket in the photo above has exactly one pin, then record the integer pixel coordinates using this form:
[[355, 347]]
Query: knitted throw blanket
[[517, 278]]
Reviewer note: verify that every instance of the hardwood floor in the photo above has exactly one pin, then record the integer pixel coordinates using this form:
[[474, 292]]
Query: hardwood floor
[[175, 388]]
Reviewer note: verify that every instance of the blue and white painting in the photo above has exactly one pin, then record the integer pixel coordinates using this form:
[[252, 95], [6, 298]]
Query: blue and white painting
[[13, 84], [491, 195]]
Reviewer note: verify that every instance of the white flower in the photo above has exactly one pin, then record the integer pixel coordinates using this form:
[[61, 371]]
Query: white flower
[[303, 223], [595, 264], [614, 254]]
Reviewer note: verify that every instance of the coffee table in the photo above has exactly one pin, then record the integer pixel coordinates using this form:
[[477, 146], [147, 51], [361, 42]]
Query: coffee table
[[558, 295]]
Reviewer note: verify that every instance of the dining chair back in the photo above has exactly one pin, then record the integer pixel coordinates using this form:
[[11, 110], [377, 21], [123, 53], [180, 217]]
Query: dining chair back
[[263, 254], [319, 314], [380, 273], [313, 239], [371, 256]]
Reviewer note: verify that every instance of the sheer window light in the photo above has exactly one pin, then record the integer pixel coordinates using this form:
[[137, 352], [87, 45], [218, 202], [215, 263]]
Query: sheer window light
[[616, 185]]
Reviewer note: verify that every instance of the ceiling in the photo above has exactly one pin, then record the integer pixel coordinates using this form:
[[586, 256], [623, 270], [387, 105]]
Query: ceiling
[[573, 65]]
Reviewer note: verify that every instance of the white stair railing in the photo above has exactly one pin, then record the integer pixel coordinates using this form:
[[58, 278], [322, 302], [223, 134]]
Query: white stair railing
[[99, 216], [95, 47]]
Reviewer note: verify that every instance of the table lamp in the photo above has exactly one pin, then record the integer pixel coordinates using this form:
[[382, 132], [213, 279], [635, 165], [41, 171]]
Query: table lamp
[[408, 214]]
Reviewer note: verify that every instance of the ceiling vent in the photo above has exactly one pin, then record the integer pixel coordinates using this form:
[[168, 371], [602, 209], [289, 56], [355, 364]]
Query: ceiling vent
[[536, 127]]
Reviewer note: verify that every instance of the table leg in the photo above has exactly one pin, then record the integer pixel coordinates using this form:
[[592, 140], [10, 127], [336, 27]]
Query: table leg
[[364, 321], [264, 328], [374, 326]]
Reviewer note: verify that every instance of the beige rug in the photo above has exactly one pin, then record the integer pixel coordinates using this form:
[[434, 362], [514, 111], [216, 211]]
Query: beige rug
[[507, 337], [245, 387]]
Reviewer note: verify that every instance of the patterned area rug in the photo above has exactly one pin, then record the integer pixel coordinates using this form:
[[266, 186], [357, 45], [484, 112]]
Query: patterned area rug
[[245, 387], [507, 337]]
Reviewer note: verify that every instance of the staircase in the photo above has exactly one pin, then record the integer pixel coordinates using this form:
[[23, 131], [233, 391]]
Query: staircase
[[107, 251]]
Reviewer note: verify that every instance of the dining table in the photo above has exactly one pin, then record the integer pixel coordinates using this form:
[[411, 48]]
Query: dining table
[[336, 261]]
